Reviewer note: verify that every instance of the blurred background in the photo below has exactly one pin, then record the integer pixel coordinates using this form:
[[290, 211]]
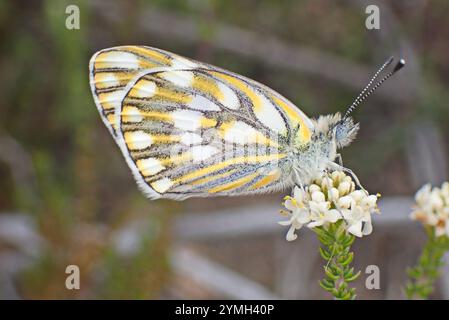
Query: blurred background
[[68, 198]]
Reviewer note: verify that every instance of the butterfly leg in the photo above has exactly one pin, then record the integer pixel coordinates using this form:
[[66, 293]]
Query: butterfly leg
[[339, 159], [298, 179]]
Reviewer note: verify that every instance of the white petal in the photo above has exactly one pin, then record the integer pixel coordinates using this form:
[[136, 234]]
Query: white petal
[[318, 196], [367, 228], [314, 207], [369, 202], [356, 229], [344, 187], [422, 193], [303, 216], [332, 215], [298, 194], [333, 194], [345, 202], [358, 195], [313, 188], [288, 204], [291, 234], [436, 200], [316, 223], [347, 214]]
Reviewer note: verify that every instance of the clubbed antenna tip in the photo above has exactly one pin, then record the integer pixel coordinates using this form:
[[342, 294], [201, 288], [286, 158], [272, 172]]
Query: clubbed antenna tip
[[399, 65]]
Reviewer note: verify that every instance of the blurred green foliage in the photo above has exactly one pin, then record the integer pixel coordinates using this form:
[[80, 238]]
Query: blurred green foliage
[[47, 106]]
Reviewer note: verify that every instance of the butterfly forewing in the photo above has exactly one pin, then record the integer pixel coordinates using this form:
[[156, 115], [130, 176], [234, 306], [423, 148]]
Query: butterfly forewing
[[191, 129], [112, 69]]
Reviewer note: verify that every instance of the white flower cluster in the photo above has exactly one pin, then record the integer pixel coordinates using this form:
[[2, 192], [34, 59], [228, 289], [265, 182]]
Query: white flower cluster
[[432, 208], [326, 200]]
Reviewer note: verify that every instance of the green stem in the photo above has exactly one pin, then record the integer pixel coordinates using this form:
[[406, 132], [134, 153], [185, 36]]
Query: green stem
[[336, 243], [423, 275]]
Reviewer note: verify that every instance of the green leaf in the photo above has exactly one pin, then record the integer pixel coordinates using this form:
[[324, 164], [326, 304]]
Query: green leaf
[[326, 239], [348, 241], [336, 293], [343, 286], [324, 253], [347, 296], [347, 260], [352, 278], [328, 282], [331, 275], [340, 235], [326, 285], [337, 269], [414, 273]]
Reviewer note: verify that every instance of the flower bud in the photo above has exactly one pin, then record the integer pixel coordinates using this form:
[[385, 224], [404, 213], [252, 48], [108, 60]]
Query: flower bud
[[358, 195], [337, 176], [313, 188], [344, 187], [326, 183], [318, 196], [333, 194]]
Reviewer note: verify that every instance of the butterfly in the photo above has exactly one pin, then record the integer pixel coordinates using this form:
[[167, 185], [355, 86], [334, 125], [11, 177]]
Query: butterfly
[[191, 129]]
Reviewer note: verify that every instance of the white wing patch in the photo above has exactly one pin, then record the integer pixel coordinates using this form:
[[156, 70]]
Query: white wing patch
[[138, 139], [131, 114], [201, 153], [162, 185], [149, 166], [116, 59], [190, 138], [178, 78], [269, 115], [187, 119], [201, 103], [228, 97], [145, 89]]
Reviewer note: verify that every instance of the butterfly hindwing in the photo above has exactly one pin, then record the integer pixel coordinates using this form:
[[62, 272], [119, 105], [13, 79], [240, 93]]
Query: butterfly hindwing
[[191, 129]]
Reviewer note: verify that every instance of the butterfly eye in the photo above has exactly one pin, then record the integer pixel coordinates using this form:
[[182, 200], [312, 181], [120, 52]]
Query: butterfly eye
[[345, 131], [339, 131]]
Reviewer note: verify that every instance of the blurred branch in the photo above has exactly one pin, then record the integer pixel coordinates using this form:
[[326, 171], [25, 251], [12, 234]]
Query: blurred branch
[[17, 232], [426, 154], [20, 231], [268, 49], [262, 219], [217, 277], [291, 271]]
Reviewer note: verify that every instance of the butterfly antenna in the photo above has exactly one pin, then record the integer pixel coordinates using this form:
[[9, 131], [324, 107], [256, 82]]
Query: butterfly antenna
[[364, 94]]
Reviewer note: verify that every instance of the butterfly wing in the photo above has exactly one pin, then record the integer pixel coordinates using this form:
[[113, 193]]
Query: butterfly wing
[[193, 129], [111, 69]]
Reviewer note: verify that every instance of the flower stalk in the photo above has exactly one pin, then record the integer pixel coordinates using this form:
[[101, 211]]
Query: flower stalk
[[427, 270], [335, 250], [432, 210]]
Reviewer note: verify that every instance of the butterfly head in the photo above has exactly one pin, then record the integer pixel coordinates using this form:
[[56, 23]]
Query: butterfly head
[[345, 131], [335, 129]]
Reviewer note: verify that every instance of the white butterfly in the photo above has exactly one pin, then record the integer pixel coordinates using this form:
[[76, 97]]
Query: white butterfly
[[190, 129]]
